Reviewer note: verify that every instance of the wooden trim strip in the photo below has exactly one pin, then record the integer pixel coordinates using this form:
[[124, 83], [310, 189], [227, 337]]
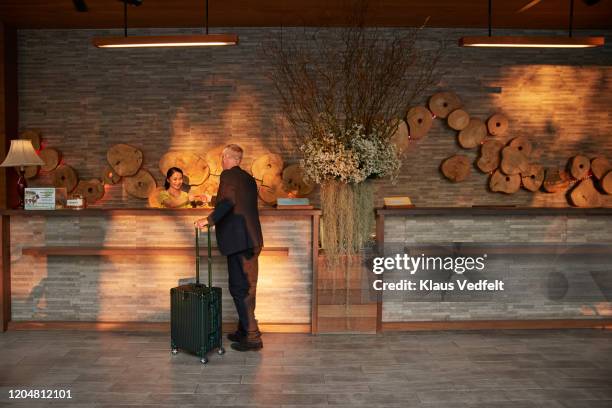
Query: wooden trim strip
[[5, 273], [499, 325], [314, 255], [380, 246], [111, 212], [500, 211], [110, 251], [145, 326]]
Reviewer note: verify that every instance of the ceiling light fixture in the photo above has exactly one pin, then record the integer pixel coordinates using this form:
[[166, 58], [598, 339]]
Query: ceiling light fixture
[[194, 40], [533, 41]]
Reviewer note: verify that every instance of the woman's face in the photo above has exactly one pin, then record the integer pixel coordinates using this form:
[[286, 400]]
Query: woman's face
[[176, 180]]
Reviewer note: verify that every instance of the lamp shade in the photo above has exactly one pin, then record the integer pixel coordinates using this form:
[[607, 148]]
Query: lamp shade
[[21, 153]]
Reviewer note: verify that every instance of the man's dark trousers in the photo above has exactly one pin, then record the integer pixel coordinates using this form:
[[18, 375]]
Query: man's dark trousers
[[243, 270]]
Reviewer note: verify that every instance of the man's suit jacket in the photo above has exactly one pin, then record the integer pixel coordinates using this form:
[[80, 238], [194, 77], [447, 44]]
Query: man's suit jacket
[[236, 217]]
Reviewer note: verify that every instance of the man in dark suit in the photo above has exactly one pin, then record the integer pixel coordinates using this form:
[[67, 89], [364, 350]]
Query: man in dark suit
[[239, 237]]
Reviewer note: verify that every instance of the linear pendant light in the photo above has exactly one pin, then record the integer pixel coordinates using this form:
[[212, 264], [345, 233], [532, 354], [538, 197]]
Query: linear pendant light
[[533, 41], [193, 40]]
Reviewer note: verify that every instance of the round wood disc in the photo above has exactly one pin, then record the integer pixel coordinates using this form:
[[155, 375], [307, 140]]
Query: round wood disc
[[419, 122], [600, 166], [579, 166], [194, 166], [66, 177], [140, 185], [270, 188], [400, 137], [473, 134], [31, 171], [606, 183], [213, 158], [109, 176], [585, 195], [522, 145], [33, 135], [513, 161], [456, 168], [443, 103], [293, 181], [267, 166], [533, 177], [556, 180], [210, 187], [504, 183], [51, 157], [92, 190], [489, 155], [458, 119], [497, 124], [154, 201], [124, 159]]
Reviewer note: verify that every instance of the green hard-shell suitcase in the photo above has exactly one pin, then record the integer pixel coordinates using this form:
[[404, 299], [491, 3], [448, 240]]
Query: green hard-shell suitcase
[[195, 312]]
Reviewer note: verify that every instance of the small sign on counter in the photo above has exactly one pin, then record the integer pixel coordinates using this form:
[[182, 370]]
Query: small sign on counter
[[39, 198]]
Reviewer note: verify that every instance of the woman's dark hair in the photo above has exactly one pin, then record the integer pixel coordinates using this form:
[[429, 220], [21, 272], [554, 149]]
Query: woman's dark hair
[[169, 174]]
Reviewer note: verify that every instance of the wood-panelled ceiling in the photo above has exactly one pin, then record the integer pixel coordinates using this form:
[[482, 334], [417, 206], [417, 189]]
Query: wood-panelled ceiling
[[546, 14]]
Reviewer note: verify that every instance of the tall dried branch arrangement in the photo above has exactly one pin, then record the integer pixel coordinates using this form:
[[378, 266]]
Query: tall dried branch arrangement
[[329, 80]]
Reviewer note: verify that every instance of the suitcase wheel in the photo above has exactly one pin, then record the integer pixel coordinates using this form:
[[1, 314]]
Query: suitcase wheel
[[221, 351], [203, 360]]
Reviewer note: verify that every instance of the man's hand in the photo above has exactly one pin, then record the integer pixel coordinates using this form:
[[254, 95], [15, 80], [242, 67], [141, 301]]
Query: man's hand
[[201, 223]]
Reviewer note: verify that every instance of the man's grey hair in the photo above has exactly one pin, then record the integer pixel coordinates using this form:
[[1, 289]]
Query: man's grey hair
[[234, 151]]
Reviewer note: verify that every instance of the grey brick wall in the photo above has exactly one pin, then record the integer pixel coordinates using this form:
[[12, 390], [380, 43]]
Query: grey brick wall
[[136, 288], [86, 99], [554, 283]]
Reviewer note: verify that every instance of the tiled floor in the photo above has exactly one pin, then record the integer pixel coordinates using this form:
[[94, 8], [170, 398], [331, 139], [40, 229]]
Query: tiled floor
[[570, 369]]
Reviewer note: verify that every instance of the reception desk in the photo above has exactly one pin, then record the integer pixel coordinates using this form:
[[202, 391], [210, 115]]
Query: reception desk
[[113, 268], [556, 264]]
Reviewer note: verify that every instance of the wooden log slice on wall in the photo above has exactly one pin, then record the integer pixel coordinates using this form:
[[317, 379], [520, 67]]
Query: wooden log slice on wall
[[497, 124], [458, 119], [210, 186], [606, 183], [600, 166], [197, 170], [124, 159], [294, 182], [66, 177], [30, 171], [51, 157], [92, 190], [556, 180], [213, 159], [194, 167], [140, 185], [400, 137], [473, 134], [579, 166], [533, 177], [504, 183], [443, 103], [512, 161], [522, 145], [585, 195], [456, 168], [109, 176], [419, 122], [267, 166], [270, 188], [489, 155], [33, 135]]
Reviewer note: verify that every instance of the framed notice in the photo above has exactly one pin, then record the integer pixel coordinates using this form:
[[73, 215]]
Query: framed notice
[[39, 198]]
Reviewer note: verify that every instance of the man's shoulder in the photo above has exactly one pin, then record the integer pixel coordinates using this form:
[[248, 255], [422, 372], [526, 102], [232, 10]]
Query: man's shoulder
[[236, 172]]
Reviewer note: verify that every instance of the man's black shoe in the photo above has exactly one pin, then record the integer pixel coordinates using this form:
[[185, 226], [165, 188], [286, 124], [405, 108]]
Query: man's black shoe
[[247, 346], [235, 336]]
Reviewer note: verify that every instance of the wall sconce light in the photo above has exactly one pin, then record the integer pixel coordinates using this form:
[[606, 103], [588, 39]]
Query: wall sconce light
[[198, 40], [532, 41]]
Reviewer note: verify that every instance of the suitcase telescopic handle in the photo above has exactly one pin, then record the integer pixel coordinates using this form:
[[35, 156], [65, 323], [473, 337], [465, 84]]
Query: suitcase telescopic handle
[[197, 249]]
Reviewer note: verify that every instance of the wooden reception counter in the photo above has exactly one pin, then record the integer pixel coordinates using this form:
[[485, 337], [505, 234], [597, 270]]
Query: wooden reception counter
[[557, 264], [113, 268]]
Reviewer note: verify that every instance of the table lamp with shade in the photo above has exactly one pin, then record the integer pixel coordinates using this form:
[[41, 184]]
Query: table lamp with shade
[[21, 154]]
